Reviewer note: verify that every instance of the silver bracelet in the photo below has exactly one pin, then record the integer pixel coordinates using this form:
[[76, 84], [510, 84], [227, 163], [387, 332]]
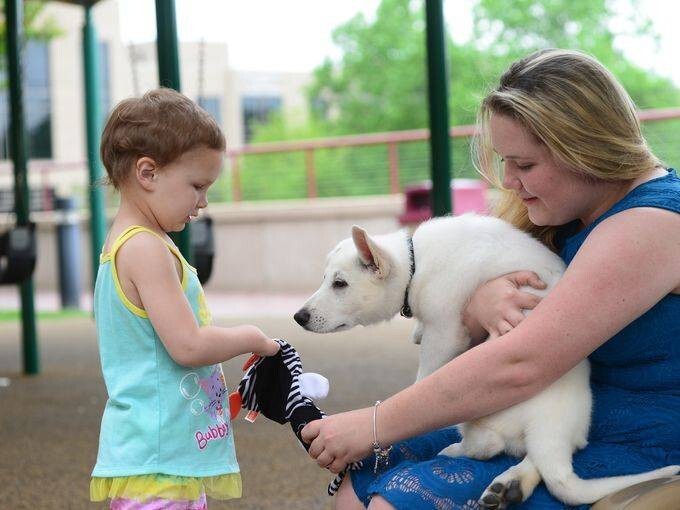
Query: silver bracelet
[[382, 455]]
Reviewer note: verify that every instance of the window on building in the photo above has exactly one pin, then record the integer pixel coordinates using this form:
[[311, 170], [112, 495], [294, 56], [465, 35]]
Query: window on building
[[256, 110], [37, 102], [211, 104]]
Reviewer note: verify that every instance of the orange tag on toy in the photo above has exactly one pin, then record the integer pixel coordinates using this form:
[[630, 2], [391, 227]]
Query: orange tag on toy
[[251, 416], [250, 361], [234, 404]]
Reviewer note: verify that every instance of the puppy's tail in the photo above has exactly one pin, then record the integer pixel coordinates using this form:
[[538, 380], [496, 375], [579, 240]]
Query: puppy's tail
[[565, 485]]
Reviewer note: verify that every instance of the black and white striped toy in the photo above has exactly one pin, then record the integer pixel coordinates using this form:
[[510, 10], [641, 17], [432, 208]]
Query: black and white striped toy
[[277, 387]]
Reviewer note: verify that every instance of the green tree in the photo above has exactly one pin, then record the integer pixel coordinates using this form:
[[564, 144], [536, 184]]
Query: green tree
[[363, 93], [36, 25], [510, 30], [379, 83]]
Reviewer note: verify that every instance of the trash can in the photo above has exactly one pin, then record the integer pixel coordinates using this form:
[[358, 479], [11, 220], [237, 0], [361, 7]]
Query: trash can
[[467, 195], [68, 247]]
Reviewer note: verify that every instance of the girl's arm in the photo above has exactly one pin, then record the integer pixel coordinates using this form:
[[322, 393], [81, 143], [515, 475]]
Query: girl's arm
[[150, 266], [627, 264]]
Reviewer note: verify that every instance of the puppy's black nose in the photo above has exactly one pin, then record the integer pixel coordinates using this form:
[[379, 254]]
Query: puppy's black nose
[[301, 317]]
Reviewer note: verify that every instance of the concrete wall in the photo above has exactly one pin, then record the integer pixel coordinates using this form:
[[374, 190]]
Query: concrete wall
[[260, 247]]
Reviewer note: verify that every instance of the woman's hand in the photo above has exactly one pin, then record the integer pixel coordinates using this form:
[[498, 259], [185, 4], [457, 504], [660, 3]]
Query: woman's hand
[[496, 306], [340, 439]]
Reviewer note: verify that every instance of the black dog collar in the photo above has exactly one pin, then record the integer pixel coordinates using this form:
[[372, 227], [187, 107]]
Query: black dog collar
[[406, 309]]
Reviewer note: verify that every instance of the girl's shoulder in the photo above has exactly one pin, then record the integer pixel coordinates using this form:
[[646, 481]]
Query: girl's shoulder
[[136, 238]]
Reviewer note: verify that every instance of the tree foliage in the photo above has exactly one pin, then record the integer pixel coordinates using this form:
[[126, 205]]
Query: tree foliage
[[36, 25], [510, 30], [379, 83]]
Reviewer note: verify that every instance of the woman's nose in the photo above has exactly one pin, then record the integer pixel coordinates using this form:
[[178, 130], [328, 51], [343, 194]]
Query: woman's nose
[[510, 181]]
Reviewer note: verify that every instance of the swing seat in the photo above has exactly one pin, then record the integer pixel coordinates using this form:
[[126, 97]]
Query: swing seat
[[17, 254]]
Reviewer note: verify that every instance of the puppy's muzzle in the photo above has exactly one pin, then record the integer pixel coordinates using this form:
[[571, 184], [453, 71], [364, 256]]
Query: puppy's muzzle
[[302, 317]]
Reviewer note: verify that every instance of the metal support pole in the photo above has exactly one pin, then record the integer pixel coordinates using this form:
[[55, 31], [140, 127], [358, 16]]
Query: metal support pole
[[93, 121], [168, 76], [14, 33], [437, 78]]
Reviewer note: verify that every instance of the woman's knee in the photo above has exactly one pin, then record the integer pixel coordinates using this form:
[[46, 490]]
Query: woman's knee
[[346, 498]]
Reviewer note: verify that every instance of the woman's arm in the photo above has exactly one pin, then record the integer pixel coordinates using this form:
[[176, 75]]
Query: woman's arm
[[170, 314], [627, 264]]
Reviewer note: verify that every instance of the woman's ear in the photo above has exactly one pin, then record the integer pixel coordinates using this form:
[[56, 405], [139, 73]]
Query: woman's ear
[[146, 172]]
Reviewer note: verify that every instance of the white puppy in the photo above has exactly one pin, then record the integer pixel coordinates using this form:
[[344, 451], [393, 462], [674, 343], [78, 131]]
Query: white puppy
[[370, 279]]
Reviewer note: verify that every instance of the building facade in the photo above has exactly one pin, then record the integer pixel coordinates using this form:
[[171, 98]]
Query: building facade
[[54, 95]]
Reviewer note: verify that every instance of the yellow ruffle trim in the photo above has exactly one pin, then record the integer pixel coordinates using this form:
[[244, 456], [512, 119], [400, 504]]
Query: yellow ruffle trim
[[171, 487]]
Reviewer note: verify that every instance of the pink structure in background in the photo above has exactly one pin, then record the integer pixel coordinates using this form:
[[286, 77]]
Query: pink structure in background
[[467, 195]]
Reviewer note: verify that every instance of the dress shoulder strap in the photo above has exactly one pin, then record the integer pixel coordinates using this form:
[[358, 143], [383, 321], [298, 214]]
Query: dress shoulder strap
[[122, 238]]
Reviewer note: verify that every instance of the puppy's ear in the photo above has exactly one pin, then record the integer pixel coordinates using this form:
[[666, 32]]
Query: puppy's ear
[[370, 253]]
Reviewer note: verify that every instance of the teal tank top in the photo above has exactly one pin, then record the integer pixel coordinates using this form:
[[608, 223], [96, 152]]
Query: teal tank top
[[160, 417]]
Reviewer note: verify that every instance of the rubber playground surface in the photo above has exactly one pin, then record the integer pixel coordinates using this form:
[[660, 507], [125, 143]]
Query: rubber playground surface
[[49, 423]]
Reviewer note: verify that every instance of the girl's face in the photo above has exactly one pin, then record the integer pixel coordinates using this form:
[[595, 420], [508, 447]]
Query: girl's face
[[552, 193], [181, 187]]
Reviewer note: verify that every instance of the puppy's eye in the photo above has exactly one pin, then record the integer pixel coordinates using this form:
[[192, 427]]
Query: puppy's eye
[[339, 284]]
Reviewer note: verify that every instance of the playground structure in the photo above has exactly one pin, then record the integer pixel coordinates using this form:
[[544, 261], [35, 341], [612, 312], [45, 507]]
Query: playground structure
[[169, 76]]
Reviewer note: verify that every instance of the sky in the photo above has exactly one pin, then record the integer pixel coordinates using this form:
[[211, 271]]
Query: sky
[[295, 35]]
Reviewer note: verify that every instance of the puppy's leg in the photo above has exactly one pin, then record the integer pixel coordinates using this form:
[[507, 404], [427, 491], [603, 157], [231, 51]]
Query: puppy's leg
[[417, 335], [512, 486], [440, 343], [478, 443]]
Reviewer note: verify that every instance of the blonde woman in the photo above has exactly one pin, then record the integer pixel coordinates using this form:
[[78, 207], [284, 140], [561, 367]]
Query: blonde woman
[[561, 137]]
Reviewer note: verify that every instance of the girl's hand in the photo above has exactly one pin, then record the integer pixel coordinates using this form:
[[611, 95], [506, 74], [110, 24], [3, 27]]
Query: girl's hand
[[269, 347], [340, 439], [496, 306]]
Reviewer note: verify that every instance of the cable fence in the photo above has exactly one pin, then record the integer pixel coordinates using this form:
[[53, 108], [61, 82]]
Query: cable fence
[[373, 164]]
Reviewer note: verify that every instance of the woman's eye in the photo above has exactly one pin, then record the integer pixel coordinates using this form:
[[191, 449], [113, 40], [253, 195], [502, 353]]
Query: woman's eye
[[525, 167], [339, 284]]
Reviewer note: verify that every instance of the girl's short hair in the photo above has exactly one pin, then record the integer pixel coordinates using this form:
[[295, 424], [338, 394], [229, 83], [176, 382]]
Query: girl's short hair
[[571, 103], [163, 124]]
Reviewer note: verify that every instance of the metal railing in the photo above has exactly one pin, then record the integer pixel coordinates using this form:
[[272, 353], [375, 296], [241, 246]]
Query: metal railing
[[393, 166], [391, 140]]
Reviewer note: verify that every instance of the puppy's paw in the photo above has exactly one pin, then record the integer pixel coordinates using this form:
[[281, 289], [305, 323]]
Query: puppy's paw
[[494, 497], [454, 450], [502, 494], [499, 496]]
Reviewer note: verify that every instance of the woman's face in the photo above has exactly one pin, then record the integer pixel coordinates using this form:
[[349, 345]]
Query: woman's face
[[552, 194]]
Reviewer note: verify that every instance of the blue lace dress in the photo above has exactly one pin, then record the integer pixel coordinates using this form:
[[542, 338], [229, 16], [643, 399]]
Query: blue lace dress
[[636, 417]]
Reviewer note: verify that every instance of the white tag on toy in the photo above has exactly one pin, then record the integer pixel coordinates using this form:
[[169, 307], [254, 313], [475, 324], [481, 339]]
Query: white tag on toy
[[251, 416]]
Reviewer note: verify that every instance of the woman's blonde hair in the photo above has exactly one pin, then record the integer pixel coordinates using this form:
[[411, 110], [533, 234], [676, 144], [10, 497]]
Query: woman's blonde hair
[[576, 107]]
